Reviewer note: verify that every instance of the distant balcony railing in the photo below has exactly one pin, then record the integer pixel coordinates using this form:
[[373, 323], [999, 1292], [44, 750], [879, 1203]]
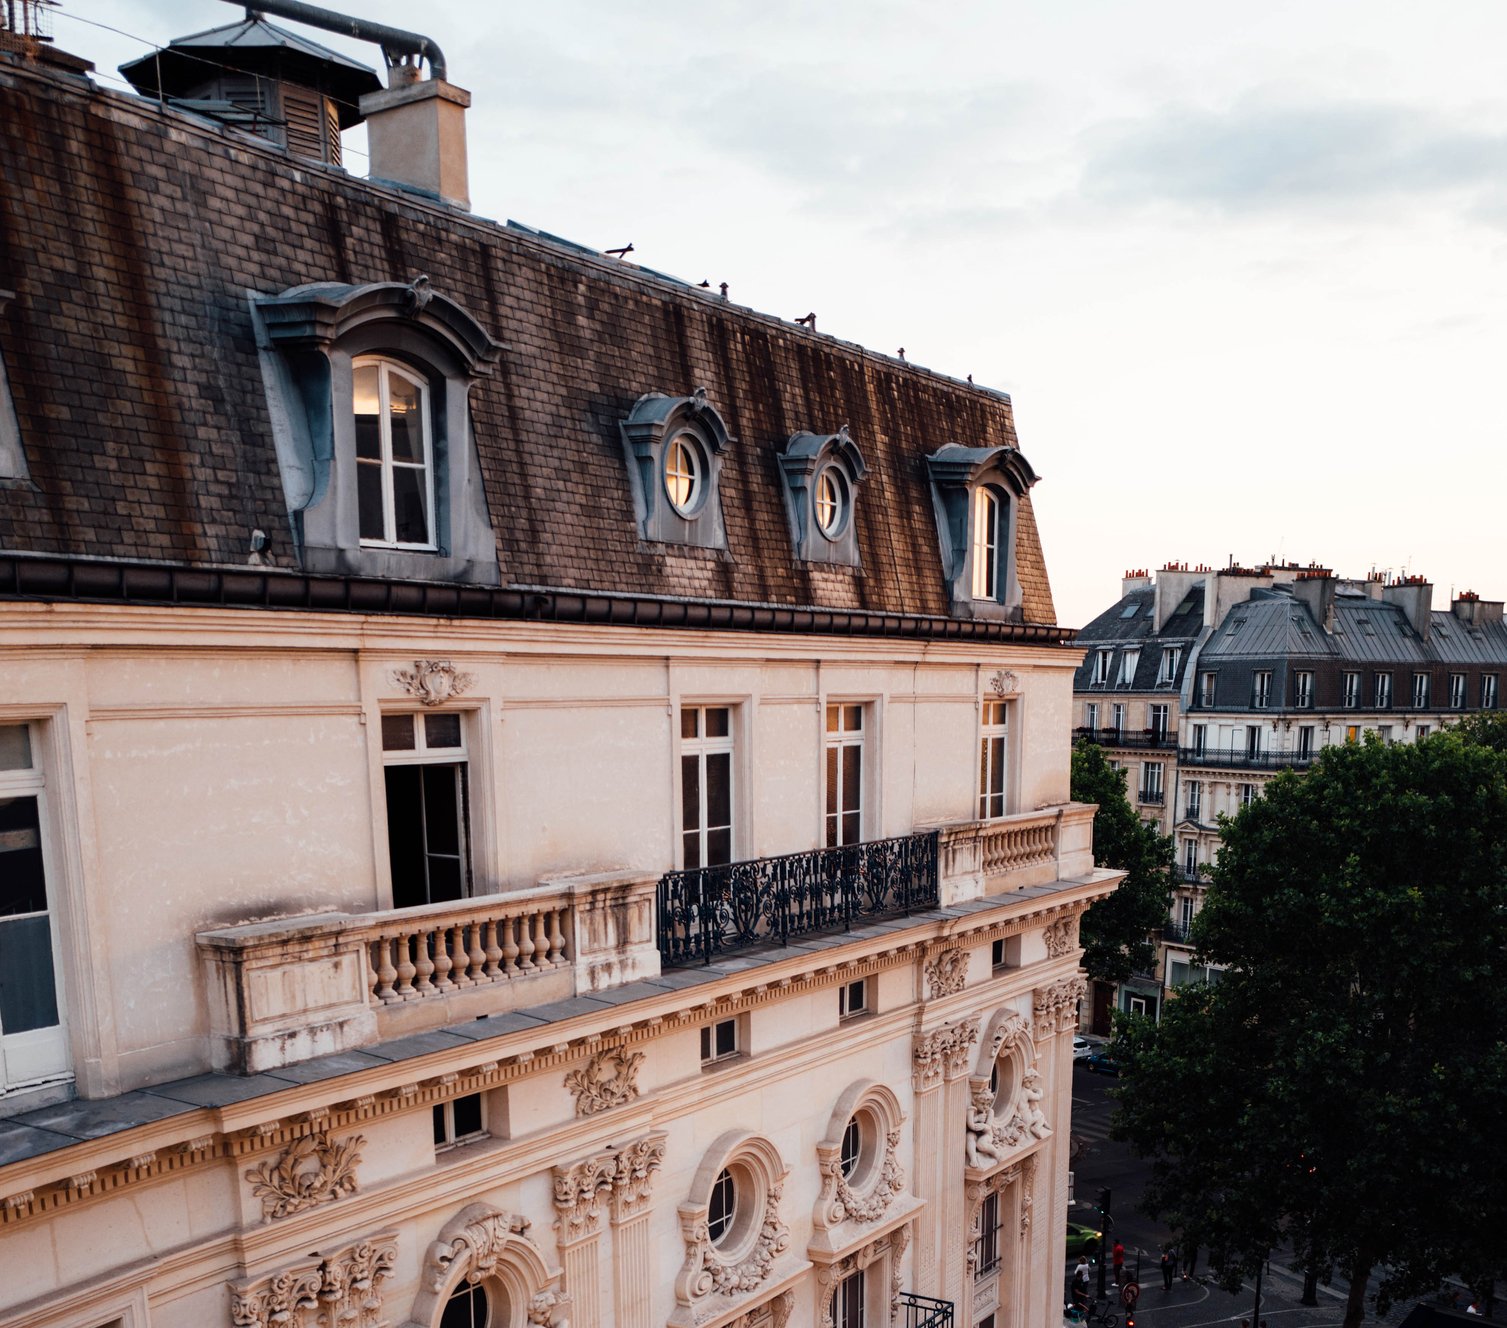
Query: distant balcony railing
[[1194, 876], [924, 1311], [1175, 933], [1155, 796], [709, 911], [1240, 758], [1138, 739]]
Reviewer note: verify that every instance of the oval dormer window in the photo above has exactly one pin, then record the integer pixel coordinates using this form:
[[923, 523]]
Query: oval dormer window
[[684, 473], [831, 502]]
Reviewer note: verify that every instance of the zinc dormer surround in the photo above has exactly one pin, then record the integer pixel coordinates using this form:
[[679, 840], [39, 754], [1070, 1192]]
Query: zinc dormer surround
[[959, 476]]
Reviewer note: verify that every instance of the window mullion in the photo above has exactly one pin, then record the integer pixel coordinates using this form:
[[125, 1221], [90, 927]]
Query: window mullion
[[384, 434]]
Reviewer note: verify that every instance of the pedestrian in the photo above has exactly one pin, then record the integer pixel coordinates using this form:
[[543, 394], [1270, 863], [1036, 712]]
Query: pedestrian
[[1169, 1265], [1118, 1259], [1473, 1308], [1080, 1282]]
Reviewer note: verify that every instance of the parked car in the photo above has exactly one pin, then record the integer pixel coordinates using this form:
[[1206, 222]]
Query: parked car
[[1082, 1239], [1103, 1062], [1082, 1048]]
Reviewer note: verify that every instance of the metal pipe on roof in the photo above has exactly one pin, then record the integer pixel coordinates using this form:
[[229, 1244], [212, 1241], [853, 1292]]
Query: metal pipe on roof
[[391, 40]]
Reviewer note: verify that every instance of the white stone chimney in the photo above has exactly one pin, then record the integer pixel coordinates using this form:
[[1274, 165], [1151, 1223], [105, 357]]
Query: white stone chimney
[[416, 136]]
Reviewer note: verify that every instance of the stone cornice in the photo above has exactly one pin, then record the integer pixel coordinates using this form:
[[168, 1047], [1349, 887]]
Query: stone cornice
[[208, 1137]]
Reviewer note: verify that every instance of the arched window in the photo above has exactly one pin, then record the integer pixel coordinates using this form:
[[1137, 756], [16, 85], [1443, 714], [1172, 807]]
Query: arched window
[[476, 1305], [823, 472], [394, 455], [986, 513]]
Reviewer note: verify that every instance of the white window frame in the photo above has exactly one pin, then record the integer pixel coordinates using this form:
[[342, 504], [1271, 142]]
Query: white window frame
[[1247, 795], [839, 740], [1091, 715], [1151, 780], [1158, 720], [987, 509], [853, 999], [1101, 667], [1200, 739], [849, 1307], [1171, 658], [1350, 696], [445, 1112], [1305, 740], [1190, 858], [1303, 689], [468, 797], [39, 1056], [1195, 799], [1489, 690], [1130, 661], [1261, 689], [1422, 687], [712, 1052], [701, 747], [1383, 693], [1206, 686], [1458, 690], [386, 366], [994, 753]]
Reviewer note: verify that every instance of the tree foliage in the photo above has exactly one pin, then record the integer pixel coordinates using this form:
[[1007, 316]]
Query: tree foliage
[[1341, 1086], [1114, 931]]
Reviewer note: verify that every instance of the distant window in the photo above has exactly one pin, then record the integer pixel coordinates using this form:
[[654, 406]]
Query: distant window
[[723, 1207], [1384, 732], [1489, 691], [1130, 611], [1247, 794], [1350, 693], [1151, 782], [427, 785], [997, 957], [674, 447], [831, 501], [1158, 716], [1420, 691], [459, 1121], [844, 773], [1167, 673], [1190, 861], [1352, 733], [851, 1151], [1195, 801], [684, 471], [1101, 667], [986, 1249], [847, 1302], [1423, 731], [853, 998], [1261, 689], [706, 785], [986, 530], [1091, 715], [394, 455], [1206, 689], [1200, 739], [1383, 691], [1117, 718], [1457, 691], [469, 1306], [1129, 662], [1303, 689], [720, 1041], [993, 756], [1305, 741]]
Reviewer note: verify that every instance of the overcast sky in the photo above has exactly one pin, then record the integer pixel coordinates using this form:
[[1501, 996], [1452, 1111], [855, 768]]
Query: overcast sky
[[1243, 268]]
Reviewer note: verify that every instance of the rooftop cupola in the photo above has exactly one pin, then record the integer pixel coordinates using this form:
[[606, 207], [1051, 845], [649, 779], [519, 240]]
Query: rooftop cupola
[[263, 79]]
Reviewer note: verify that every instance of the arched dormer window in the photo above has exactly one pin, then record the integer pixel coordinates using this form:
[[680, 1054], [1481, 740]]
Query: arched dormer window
[[674, 448], [368, 390], [822, 474], [975, 494]]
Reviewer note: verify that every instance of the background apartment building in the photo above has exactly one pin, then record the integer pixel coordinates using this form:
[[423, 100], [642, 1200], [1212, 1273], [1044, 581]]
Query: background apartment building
[[527, 792], [1277, 663]]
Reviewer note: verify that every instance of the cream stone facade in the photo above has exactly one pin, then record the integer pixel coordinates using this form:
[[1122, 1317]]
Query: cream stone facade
[[529, 794]]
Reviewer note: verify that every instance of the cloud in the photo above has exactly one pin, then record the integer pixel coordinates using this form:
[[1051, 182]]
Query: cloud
[[1270, 154]]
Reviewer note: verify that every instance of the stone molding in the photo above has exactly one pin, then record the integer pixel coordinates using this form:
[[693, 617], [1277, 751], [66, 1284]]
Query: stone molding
[[479, 1244], [312, 1170], [943, 1053], [341, 1289], [946, 972], [432, 682], [1060, 936], [1056, 1007], [893, 1243], [623, 1176], [608, 1079], [838, 1202]]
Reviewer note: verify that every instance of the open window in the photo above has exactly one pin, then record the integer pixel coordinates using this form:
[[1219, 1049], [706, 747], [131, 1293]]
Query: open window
[[976, 492], [368, 390]]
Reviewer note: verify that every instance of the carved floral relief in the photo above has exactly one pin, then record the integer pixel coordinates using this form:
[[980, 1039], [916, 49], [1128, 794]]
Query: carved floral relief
[[313, 1169], [341, 1290], [608, 1079], [432, 682], [946, 972]]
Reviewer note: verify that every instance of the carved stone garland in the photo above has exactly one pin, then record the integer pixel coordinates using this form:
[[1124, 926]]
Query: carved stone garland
[[1056, 1007], [943, 1053], [312, 1170], [342, 1289], [946, 971], [1060, 936], [608, 1079], [705, 1273], [432, 682], [838, 1202]]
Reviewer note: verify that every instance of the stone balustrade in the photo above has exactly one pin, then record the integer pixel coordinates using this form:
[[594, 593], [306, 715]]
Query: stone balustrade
[[979, 858], [290, 989]]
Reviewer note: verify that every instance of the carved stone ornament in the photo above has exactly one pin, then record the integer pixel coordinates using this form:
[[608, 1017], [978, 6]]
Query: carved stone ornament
[[313, 1169], [1027, 1192], [608, 1079], [1060, 936], [828, 1276], [1056, 1007], [623, 1174], [432, 681], [707, 1273], [942, 1053], [1004, 682], [773, 1313], [633, 1179], [474, 1241], [341, 1289], [549, 1309], [991, 1137], [839, 1203], [482, 1243], [946, 972]]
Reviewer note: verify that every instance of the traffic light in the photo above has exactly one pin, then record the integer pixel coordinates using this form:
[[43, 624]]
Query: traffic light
[[1104, 1197]]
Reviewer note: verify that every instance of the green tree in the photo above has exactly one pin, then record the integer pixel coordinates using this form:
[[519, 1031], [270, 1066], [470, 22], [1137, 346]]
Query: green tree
[[1486, 727], [1114, 931], [1340, 1087]]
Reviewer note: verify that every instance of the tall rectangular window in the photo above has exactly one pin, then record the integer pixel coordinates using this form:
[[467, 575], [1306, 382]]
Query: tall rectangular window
[[985, 544], [1129, 662], [993, 753], [986, 1250], [32, 1044], [1185, 912], [1091, 715], [1190, 859], [1420, 691], [706, 785], [1195, 799], [1305, 742], [1117, 718], [1158, 715], [1457, 691], [1247, 794], [1101, 667], [1206, 689], [847, 1302], [1166, 674], [428, 838], [1489, 691], [1261, 688], [844, 774], [1253, 740], [1350, 692], [1302, 690], [1200, 739], [394, 456], [1383, 691], [1151, 782]]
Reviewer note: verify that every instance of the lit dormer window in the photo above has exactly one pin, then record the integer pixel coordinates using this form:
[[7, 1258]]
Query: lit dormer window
[[394, 455], [674, 449], [822, 474], [976, 491]]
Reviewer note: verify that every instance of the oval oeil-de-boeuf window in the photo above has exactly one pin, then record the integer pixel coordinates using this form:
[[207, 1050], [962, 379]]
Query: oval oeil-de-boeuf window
[[685, 474]]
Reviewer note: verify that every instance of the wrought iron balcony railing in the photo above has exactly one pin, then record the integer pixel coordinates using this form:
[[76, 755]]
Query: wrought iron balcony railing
[[1238, 758], [709, 911], [1137, 739], [1178, 935], [924, 1311], [1156, 796]]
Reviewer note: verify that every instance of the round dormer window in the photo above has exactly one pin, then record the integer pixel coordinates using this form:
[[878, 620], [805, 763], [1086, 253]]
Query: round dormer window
[[831, 502], [685, 474]]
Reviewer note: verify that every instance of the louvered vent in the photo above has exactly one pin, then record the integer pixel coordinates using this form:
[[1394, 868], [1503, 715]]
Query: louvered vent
[[304, 116]]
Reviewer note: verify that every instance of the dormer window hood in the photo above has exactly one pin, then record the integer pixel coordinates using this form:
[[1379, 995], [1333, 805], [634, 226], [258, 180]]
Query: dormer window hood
[[300, 95]]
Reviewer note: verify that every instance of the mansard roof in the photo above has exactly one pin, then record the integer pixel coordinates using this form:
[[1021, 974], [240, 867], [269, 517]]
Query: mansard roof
[[138, 238]]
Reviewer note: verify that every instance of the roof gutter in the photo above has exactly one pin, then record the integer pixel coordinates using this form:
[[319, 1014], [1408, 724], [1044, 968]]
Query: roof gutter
[[395, 42], [50, 578]]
